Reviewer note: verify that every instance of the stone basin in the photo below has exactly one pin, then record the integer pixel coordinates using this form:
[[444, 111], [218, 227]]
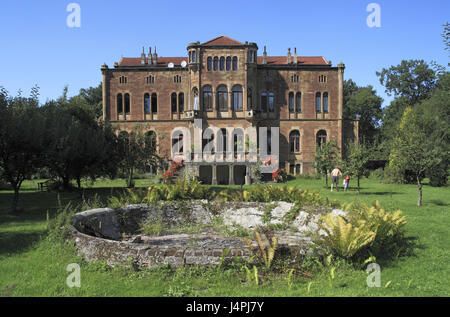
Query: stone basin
[[114, 236]]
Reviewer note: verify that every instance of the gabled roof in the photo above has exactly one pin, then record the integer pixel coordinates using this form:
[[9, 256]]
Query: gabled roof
[[222, 40], [302, 60]]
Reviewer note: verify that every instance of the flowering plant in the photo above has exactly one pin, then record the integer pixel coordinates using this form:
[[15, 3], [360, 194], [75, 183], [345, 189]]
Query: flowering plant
[[279, 176], [172, 172]]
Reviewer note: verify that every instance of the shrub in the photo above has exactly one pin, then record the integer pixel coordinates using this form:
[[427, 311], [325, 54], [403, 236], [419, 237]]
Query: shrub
[[388, 226], [343, 238], [364, 231], [172, 173], [279, 176]]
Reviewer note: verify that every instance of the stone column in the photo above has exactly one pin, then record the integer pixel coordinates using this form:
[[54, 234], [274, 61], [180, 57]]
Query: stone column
[[214, 101], [247, 175], [230, 104], [214, 174], [231, 175]]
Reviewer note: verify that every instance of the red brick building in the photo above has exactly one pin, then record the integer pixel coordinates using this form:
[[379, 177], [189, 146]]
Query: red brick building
[[226, 85]]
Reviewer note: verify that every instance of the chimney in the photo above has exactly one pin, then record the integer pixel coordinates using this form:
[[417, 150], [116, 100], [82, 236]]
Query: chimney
[[289, 56], [264, 56], [150, 57], [143, 56], [155, 58], [295, 56]]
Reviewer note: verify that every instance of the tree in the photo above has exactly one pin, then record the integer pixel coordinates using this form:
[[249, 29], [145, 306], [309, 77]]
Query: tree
[[414, 150], [435, 114], [136, 149], [362, 103], [326, 158], [93, 99], [358, 156], [76, 146], [446, 36], [21, 139], [412, 79]]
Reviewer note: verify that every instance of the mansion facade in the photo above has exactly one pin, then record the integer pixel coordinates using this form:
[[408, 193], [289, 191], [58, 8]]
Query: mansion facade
[[227, 86]]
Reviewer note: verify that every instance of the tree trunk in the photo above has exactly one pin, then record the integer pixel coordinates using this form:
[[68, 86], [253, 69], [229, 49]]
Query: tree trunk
[[326, 178], [65, 183], [15, 202], [358, 184], [130, 178], [419, 186], [79, 182]]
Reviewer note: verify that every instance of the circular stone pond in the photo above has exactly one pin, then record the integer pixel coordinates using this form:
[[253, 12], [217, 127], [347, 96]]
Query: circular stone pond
[[191, 232]]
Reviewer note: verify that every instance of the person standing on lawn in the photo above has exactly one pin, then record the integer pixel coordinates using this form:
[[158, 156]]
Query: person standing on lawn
[[346, 182], [335, 177]]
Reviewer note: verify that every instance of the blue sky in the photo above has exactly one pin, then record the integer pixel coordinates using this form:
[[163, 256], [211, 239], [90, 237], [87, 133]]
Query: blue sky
[[37, 47]]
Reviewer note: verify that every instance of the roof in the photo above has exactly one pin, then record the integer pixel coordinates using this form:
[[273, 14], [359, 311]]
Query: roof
[[303, 60], [162, 61], [222, 40], [271, 60]]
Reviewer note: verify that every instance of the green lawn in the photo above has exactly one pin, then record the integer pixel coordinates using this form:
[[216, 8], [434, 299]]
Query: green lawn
[[32, 265]]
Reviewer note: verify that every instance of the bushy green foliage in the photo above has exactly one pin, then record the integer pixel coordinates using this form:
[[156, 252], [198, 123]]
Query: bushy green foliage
[[270, 193], [364, 231]]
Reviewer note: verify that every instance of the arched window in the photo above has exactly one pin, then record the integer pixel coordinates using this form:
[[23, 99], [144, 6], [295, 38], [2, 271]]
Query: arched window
[[146, 103], [235, 62], [298, 102], [208, 141], [195, 98], [216, 63], [250, 56], [127, 103], [207, 98], [291, 102], [237, 98], [150, 140], [209, 63], [154, 103], [269, 141], [228, 63], [177, 143], [294, 141], [222, 98], [263, 102], [181, 101], [194, 56], [271, 102], [249, 99], [173, 101], [222, 141], [222, 63], [119, 104], [318, 102], [325, 102], [321, 138]]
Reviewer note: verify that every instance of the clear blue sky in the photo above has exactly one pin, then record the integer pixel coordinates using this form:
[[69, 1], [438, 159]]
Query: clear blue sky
[[37, 47]]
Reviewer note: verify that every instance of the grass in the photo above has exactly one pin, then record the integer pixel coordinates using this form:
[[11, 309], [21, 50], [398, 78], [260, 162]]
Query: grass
[[33, 265]]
